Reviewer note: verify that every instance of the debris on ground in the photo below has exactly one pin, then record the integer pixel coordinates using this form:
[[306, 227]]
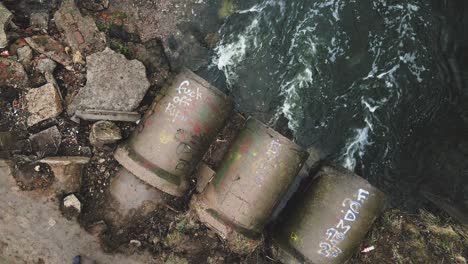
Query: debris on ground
[[40, 20], [95, 5], [32, 176], [67, 172], [95, 115], [80, 31], [25, 56], [71, 202], [103, 133], [47, 142], [5, 18], [12, 74], [50, 47], [42, 103], [113, 83], [44, 65]]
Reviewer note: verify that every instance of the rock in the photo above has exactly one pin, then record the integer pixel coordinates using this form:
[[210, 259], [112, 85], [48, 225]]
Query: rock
[[71, 202], [67, 172], [46, 142], [42, 103], [45, 65], [40, 20], [12, 74], [135, 243], [80, 31], [185, 50], [104, 132], [5, 19], [96, 115], [113, 83], [95, 5], [48, 46], [25, 56]]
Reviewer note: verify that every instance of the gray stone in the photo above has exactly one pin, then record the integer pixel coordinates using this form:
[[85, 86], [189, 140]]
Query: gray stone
[[48, 46], [95, 5], [80, 31], [71, 202], [5, 19], [96, 115], [104, 132], [44, 65], [42, 103], [25, 56], [46, 142], [113, 83], [12, 74], [67, 172], [40, 20]]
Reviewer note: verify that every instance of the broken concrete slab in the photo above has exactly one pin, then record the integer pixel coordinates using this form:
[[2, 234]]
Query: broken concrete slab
[[45, 65], [67, 172], [42, 103], [32, 228], [5, 19], [95, 5], [25, 56], [46, 142], [113, 83], [12, 74], [48, 46], [80, 31], [96, 115], [39, 20], [104, 132]]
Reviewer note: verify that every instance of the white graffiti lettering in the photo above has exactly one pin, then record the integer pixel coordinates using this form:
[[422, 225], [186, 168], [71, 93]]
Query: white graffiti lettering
[[334, 236]]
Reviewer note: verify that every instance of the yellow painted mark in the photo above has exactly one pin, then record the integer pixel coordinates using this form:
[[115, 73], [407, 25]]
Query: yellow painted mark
[[294, 237], [165, 138]]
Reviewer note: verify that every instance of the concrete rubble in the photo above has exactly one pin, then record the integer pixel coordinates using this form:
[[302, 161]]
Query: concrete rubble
[[71, 202], [12, 74], [39, 20], [42, 103], [109, 79], [48, 46], [80, 31], [5, 18], [44, 64], [25, 56], [46, 142], [96, 115], [103, 133], [95, 5], [67, 172]]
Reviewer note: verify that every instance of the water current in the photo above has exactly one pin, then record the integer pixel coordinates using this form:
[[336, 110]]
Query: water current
[[365, 82]]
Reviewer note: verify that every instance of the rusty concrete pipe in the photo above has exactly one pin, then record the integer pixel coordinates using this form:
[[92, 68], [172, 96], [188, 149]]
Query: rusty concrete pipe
[[175, 133], [328, 221], [254, 175]]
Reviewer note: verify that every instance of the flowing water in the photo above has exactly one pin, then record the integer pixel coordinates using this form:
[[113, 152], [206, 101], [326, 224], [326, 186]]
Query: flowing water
[[361, 80]]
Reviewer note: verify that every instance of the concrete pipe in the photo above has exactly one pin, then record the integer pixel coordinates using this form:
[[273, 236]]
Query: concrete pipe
[[175, 133], [254, 175], [130, 198], [330, 219]]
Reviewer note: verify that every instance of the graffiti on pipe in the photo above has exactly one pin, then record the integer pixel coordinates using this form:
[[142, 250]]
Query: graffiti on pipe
[[271, 154], [329, 248], [189, 146], [185, 96]]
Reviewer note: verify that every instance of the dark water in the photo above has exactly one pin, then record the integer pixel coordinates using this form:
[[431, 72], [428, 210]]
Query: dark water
[[377, 86]]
